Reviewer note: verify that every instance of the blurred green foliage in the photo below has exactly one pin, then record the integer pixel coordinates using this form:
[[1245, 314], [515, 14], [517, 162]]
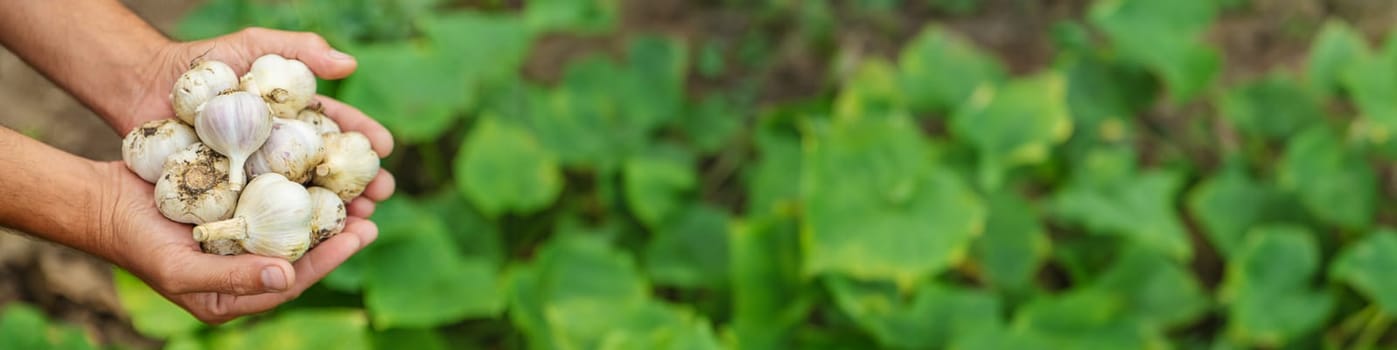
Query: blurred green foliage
[[925, 198]]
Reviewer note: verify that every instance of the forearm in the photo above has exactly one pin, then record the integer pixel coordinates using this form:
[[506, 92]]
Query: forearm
[[96, 49], [50, 193]]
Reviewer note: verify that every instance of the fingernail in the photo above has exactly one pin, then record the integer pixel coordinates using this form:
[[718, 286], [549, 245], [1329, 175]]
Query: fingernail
[[273, 279], [337, 55]]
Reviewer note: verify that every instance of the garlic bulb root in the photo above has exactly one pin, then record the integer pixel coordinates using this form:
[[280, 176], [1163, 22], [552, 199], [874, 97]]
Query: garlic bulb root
[[204, 80], [293, 150], [328, 215], [222, 247], [145, 148], [286, 84], [350, 163], [194, 188], [273, 218], [235, 124]]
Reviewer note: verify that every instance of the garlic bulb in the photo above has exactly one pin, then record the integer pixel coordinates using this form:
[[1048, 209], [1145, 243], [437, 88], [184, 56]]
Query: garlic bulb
[[234, 124], [145, 148], [316, 117], [272, 219], [204, 80], [194, 188], [293, 150], [350, 163], [286, 84], [327, 216]]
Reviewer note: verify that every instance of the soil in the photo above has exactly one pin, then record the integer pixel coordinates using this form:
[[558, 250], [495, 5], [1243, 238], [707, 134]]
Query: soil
[[1255, 39]]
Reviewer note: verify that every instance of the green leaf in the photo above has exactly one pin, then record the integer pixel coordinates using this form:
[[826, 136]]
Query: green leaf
[[1371, 81], [1268, 288], [502, 168], [398, 218], [765, 282], [1139, 208], [590, 102], [1084, 319], [310, 328], [1101, 89], [657, 188], [416, 93], [773, 183], [872, 90], [1335, 184], [582, 293], [23, 327], [575, 278], [871, 196], [654, 84], [1017, 123], [1153, 289], [587, 16], [474, 235], [712, 123], [1229, 204], [151, 313], [210, 20], [1336, 48], [939, 70], [658, 326], [461, 35], [415, 278], [419, 339], [1275, 107], [1164, 36], [1367, 266], [1014, 244], [932, 318], [692, 250]]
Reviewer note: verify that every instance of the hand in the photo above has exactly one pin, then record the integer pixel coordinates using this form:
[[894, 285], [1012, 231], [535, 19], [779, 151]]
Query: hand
[[164, 254]]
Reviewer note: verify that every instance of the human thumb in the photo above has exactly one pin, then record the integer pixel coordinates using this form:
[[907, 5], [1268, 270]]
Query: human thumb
[[239, 274]]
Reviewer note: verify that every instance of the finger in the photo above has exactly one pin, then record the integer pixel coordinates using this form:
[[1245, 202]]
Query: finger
[[381, 187], [312, 49], [310, 269], [361, 207], [351, 119], [196, 272]]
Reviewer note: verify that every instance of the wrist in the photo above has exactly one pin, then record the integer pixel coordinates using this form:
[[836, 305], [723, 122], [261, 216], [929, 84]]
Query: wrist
[[96, 212], [145, 75]]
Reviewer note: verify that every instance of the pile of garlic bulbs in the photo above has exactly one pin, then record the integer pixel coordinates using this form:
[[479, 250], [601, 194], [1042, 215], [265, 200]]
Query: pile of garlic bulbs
[[252, 162]]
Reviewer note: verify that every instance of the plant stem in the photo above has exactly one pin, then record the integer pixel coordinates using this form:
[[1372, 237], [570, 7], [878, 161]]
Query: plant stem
[[1372, 330]]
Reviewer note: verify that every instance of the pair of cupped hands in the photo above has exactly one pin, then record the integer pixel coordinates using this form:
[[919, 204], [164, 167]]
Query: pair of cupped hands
[[215, 289]]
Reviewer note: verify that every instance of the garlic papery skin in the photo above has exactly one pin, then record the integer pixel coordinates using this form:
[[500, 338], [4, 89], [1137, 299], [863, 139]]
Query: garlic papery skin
[[317, 118], [194, 188], [272, 219], [145, 149], [286, 84], [350, 163], [327, 216], [293, 150], [234, 124], [204, 80]]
